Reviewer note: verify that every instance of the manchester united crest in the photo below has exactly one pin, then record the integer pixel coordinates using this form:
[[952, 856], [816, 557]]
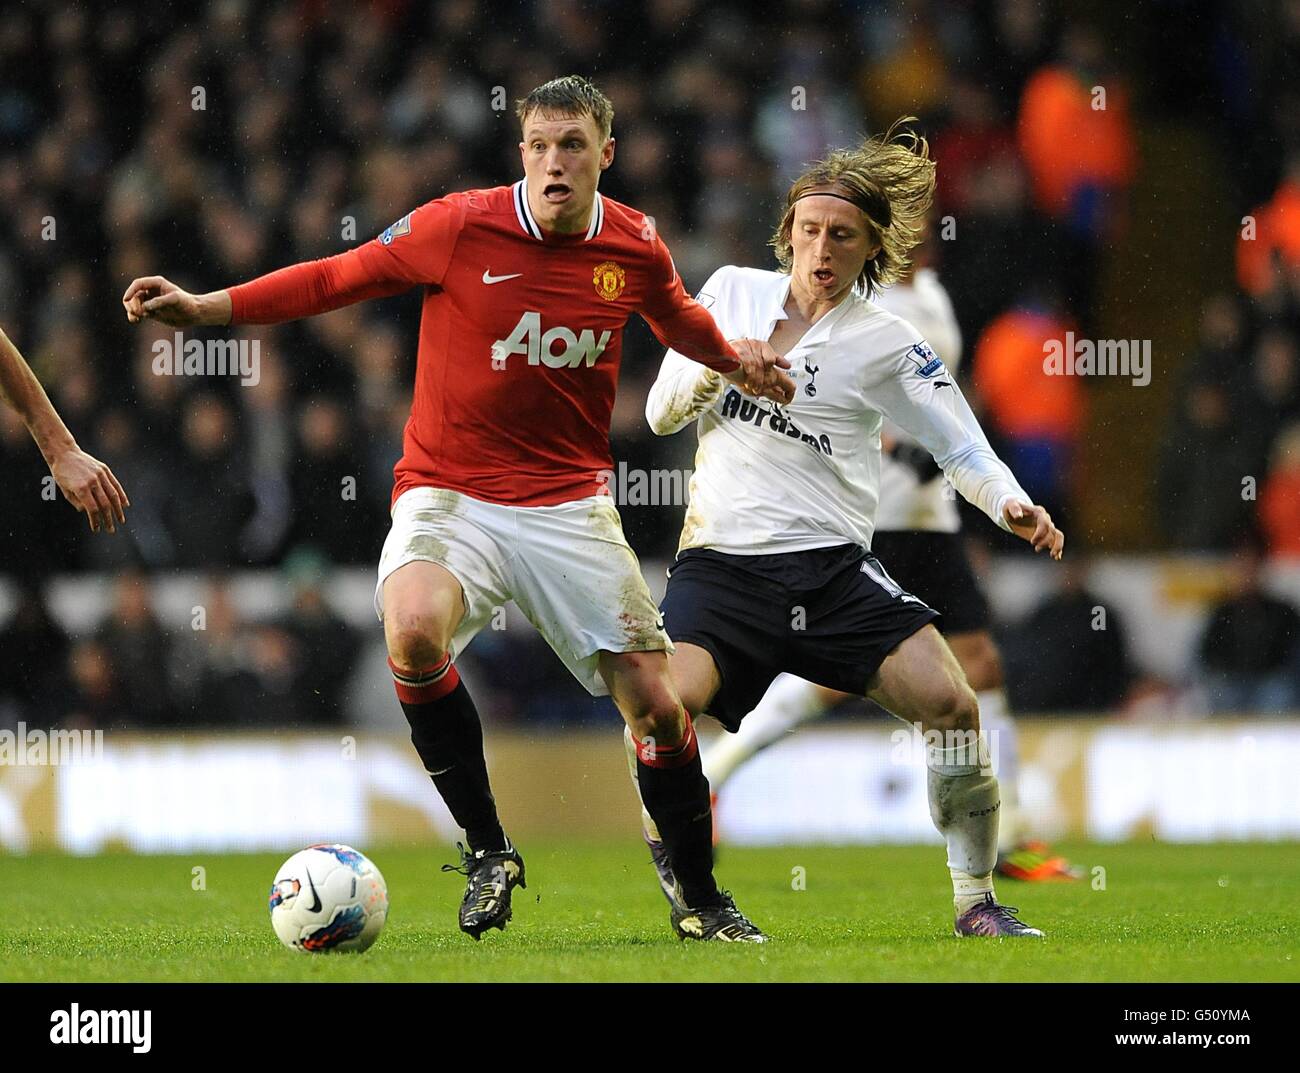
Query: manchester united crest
[[610, 279]]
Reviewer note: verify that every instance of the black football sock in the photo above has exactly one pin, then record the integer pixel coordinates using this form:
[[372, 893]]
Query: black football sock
[[676, 794], [447, 734]]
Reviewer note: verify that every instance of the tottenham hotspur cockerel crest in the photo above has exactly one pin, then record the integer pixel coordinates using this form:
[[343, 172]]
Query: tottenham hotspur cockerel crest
[[810, 388]]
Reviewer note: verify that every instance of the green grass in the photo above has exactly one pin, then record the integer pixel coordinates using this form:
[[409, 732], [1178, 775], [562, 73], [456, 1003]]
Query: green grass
[[593, 912]]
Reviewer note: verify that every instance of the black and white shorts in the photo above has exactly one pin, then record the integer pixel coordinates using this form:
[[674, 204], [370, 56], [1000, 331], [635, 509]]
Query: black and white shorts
[[830, 615], [936, 568]]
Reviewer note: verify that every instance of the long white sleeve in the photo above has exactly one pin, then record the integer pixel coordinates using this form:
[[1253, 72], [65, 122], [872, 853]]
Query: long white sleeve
[[933, 409], [683, 390], [910, 500]]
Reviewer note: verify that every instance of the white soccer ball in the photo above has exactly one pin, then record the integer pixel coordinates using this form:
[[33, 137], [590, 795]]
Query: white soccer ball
[[328, 897]]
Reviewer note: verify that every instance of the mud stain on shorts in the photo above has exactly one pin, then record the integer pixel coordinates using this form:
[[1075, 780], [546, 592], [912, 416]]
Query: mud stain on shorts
[[604, 522], [638, 617], [433, 503], [425, 546]]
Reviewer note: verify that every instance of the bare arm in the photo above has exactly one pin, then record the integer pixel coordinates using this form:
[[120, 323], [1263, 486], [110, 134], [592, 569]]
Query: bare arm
[[88, 484], [161, 299]]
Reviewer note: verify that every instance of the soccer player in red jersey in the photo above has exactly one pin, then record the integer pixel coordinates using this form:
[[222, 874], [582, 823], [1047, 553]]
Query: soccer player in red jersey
[[499, 492]]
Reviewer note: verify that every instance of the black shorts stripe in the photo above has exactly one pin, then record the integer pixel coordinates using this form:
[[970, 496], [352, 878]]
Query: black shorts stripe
[[936, 568]]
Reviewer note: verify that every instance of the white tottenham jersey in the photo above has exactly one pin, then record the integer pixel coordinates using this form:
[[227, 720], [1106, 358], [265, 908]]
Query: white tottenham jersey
[[907, 502], [771, 478]]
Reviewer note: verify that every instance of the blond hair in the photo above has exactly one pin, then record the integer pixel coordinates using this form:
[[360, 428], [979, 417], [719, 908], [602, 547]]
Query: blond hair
[[571, 95], [890, 177]]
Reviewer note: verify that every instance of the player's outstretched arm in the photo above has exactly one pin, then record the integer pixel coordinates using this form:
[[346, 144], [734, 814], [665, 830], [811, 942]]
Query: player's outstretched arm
[[757, 368], [158, 298], [416, 250], [918, 394], [88, 484], [684, 325], [301, 290]]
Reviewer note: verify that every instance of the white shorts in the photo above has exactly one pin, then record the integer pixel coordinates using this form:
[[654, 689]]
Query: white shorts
[[567, 567]]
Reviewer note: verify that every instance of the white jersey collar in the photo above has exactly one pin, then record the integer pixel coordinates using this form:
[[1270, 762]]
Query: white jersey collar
[[775, 310]]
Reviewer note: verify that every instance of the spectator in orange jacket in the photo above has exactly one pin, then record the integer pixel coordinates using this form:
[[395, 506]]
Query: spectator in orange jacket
[[1038, 415], [1269, 242], [1279, 499], [1077, 142], [1077, 145]]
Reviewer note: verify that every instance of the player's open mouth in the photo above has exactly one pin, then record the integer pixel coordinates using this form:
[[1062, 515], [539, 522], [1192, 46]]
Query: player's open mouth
[[824, 275], [556, 192]]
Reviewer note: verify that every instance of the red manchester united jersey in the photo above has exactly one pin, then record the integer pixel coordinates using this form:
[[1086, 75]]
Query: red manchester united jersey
[[520, 336]]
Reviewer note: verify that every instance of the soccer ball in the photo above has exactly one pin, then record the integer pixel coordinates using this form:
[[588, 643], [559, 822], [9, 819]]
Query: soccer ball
[[328, 897]]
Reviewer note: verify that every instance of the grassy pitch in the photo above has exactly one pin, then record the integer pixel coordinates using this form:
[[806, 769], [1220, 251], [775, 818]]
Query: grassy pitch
[[592, 912]]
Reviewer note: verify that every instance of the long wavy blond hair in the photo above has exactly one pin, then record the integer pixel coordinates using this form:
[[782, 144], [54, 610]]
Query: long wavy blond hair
[[890, 177]]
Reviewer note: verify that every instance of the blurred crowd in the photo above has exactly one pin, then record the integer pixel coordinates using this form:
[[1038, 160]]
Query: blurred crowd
[[1230, 465], [230, 138], [223, 668]]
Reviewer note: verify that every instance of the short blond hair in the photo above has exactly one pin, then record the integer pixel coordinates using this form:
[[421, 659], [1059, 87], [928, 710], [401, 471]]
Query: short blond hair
[[571, 95], [890, 177]]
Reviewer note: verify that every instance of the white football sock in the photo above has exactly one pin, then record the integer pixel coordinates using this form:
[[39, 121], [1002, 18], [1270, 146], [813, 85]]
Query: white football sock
[[999, 728], [788, 702], [629, 746], [963, 794]]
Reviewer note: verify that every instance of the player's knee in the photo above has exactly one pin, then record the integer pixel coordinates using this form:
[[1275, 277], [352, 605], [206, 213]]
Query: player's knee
[[956, 708], [413, 643], [660, 719]]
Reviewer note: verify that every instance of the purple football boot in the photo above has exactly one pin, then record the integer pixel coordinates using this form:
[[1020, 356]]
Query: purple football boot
[[990, 918]]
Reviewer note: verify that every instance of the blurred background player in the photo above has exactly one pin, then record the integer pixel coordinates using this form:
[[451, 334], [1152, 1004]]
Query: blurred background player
[[774, 572], [499, 493], [86, 482], [918, 535]]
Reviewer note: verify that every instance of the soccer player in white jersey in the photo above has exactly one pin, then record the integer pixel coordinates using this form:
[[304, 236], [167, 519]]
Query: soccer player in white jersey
[[773, 571], [917, 533]]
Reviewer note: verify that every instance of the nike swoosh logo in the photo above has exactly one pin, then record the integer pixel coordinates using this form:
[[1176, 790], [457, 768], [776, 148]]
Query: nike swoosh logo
[[489, 278], [315, 906]]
